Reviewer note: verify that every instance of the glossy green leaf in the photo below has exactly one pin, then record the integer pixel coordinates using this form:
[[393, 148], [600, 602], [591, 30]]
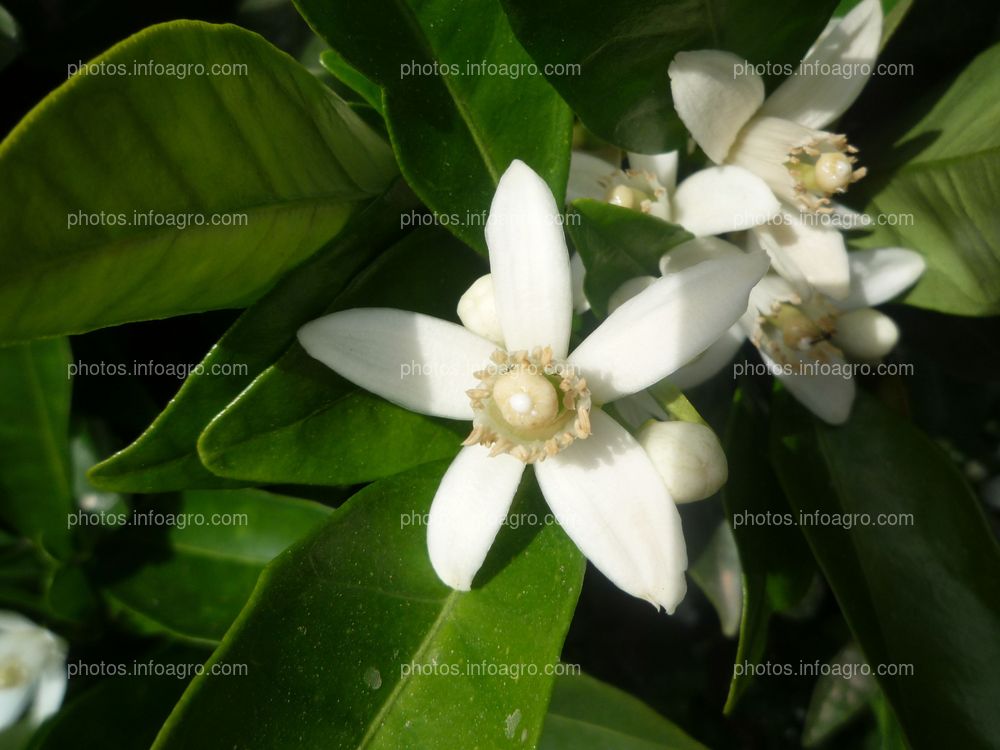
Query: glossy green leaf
[[617, 244], [245, 176], [301, 423], [454, 128], [587, 714], [621, 90], [351, 77], [123, 712], [948, 186], [36, 494], [777, 566], [165, 457], [355, 643], [186, 568], [918, 585]]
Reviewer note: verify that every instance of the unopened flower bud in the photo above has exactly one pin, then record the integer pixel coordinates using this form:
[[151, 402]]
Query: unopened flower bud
[[866, 335], [688, 457], [477, 309]]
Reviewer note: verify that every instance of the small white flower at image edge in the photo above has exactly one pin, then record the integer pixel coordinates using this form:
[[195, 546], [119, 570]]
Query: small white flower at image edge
[[32, 671]]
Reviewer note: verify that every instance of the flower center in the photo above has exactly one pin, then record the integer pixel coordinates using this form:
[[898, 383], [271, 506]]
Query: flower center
[[529, 405], [637, 190], [833, 172], [821, 168], [12, 673], [526, 399], [626, 197], [797, 328]]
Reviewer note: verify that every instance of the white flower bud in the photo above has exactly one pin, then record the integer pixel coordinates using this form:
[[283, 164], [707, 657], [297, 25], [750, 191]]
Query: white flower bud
[[32, 671], [866, 335], [477, 309], [688, 457]]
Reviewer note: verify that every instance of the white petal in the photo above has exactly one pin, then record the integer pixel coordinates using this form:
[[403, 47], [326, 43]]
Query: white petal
[[421, 363], [662, 166], [14, 621], [715, 97], [51, 690], [530, 263], [770, 291], [628, 290], [588, 177], [578, 273], [609, 499], [675, 319], [764, 147], [468, 510], [723, 199], [802, 248], [815, 99], [698, 250], [477, 309], [13, 702], [866, 335], [825, 393], [880, 274], [710, 361], [687, 456]]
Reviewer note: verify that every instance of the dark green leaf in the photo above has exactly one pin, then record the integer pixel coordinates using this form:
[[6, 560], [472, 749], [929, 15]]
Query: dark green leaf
[[271, 156], [618, 244], [586, 714], [919, 583], [621, 90], [165, 457], [301, 423], [353, 641], [36, 494], [191, 578], [351, 77], [777, 566], [454, 130]]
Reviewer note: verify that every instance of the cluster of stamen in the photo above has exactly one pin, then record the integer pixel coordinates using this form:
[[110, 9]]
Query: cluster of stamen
[[528, 404], [637, 190], [794, 327], [821, 168]]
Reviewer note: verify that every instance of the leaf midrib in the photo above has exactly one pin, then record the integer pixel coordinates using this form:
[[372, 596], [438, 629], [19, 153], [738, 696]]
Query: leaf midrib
[[400, 687], [413, 23]]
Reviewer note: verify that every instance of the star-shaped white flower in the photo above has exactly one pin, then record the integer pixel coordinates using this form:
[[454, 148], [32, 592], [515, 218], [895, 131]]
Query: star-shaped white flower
[[808, 340], [32, 671], [532, 401], [781, 139]]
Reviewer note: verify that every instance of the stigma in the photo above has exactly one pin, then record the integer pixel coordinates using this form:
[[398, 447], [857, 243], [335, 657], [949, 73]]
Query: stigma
[[529, 405]]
